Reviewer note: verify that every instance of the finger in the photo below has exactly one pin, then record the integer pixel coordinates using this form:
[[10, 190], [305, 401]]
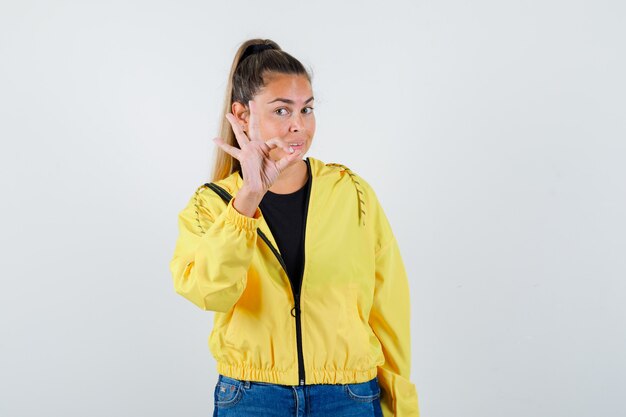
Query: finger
[[279, 143], [286, 160], [229, 149], [240, 135], [254, 131]]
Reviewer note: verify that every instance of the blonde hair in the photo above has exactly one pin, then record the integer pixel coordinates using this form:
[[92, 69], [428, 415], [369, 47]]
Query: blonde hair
[[254, 59]]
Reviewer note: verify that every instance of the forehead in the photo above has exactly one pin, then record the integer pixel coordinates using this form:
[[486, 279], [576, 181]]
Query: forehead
[[291, 86]]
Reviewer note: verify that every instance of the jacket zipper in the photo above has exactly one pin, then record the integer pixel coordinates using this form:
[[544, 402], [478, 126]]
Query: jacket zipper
[[296, 297], [298, 322], [296, 294]]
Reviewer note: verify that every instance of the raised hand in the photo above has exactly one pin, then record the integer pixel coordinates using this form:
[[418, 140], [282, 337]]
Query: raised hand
[[258, 169]]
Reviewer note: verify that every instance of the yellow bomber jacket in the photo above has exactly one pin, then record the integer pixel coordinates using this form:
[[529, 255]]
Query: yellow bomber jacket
[[351, 321]]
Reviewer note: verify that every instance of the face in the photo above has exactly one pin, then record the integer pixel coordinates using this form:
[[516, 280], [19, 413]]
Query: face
[[284, 108]]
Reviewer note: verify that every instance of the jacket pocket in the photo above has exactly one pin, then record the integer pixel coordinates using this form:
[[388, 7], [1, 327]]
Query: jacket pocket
[[232, 329], [357, 325]]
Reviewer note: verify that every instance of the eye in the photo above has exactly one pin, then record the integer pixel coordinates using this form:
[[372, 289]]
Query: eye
[[278, 111], [307, 112]]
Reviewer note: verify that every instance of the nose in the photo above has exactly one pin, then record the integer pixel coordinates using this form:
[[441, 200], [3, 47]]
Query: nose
[[296, 123]]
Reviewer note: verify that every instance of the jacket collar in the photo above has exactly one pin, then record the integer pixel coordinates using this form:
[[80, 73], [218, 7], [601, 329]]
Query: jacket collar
[[234, 182], [319, 169]]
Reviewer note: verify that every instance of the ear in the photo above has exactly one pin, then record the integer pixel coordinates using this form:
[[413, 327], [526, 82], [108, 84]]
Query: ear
[[240, 112]]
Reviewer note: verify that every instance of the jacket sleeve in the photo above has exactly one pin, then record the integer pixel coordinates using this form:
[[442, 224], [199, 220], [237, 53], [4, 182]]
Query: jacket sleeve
[[390, 320], [212, 254]]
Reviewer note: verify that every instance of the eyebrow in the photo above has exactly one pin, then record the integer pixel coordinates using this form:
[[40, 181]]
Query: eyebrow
[[286, 100]]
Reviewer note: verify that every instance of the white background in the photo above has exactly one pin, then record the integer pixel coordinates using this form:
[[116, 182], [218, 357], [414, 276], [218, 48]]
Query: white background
[[493, 132]]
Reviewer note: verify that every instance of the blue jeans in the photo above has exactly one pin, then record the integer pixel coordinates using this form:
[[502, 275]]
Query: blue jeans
[[238, 398]]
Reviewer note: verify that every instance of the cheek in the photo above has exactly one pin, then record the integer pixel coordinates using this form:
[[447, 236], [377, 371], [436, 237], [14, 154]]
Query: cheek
[[271, 129], [311, 123]]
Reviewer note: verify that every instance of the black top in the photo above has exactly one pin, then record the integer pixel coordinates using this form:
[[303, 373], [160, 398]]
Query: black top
[[285, 217]]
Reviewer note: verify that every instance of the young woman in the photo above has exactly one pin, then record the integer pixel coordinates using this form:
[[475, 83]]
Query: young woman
[[297, 260]]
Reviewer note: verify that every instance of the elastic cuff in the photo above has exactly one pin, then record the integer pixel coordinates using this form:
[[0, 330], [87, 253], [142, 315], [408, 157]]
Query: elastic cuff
[[241, 220]]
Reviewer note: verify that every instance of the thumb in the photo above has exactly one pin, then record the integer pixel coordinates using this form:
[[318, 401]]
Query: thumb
[[285, 161]]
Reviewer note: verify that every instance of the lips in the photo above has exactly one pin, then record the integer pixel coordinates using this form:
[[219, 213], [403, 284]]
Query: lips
[[296, 145]]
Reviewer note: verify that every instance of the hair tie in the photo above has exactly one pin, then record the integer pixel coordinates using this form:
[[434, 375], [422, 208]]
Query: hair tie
[[255, 49], [260, 47]]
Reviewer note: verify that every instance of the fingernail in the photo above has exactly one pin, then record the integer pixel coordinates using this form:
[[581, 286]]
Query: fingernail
[[290, 149]]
